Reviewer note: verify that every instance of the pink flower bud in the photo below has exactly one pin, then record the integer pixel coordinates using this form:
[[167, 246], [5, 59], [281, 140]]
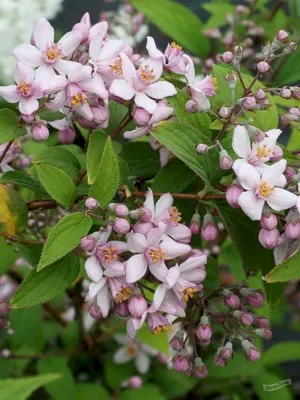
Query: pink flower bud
[[202, 148], [204, 331], [265, 334], [292, 46], [249, 103], [121, 225], [261, 322], [232, 194], [39, 131], [269, 222], [282, 36], [296, 92], [209, 230], [252, 353], [241, 9], [67, 136], [91, 203], [192, 106], [258, 135], [88, 243], [135, 382], [143, 227], [245, 318], [121, 210], [269, 239], [231, 300], [4, 309], [260, 95], [231, 80], [226, 352], [263, 67], [199, 370], [95, 312], [224, 112], [145, 214], [176, 342], [286, 93], [254, 297], [195, 224], [225, 161], [227, 57], [122, 309], [292, 229], [277, 153], [141, 117], [219, 361], [101, 115], [209, 63], [181, 362], [137, 305], [289, 173]]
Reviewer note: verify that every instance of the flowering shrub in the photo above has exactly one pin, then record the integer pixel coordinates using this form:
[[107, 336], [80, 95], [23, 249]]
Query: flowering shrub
[[129, 181]]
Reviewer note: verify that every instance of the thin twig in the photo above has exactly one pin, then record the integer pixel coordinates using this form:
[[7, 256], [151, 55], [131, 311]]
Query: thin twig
[[190, 196], [19, 240], [81, 176], [49, 204]]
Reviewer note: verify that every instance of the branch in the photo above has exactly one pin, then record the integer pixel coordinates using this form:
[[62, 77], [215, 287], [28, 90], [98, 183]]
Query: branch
[[48, 204], [19, 240], [189, 196]]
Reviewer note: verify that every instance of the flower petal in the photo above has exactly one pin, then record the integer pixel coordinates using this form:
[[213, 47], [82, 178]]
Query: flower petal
[[29, 55], [136, 268], [95, 47], [163, 204], [137, 243], [95, 86], [69, 42], [120, 246], [164, 155], [95, 288], [93, 269], [129, 71], [122, 89], [136, 133], [23, 73], [273, 173], [122, 356], [10, 93], [251, 205], [58, 101], [149, 202], [190, 76], [180, 232], [43, 34], [111, 49], [192, 263], [158, 297], [85, 110], [28, 105], [174, 249], [160, 90], [155, 235], [160, 114], [142, 362], [115, 270], [152, 49], [241, 142], [248, 177], [160, 271], [143, 101], [103, 301], [281, 199]]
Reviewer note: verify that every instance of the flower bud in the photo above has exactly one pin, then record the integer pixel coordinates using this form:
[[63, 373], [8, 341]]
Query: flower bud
[[121, 210], [176, 342], [232, 194], [292, 229], [289, 173], [260, 95], [141, 117], [4, 309], [88, 243], [100, 115], [282, 36], [121, 225], [219, 361], [202, 148], [249, 103], [254, 297], [226, 352], [181, 362], [195, 224], [199, 370], [225, 161], [269, 239], [142, 227], [286, 93], [67, 136], [95, 312], [209, 230], [231, 79], [137, 305], [224, 112], [91, 203], [295, 92], [40, 131], [265, 334], [231, 300], [135, 382], [238, 53], [263, 67], [277, 153], [258, 135], [204, 331], [261, 322], [252, 353], [241, 9], [227, 57], [192, 106], [122, 309], [245, 318], [292, 46], [269, 221]]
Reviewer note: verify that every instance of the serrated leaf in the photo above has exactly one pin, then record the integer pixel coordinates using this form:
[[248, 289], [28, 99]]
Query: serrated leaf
[[124, 171], [176, 21], [23, 180], [96, 147], [57, 183], [39, 287], [8, 256], [21, 389], [13, 210], [219, 12], [9, 126], [107, 180], [142, 160], [280, 353], [287, 271], [64, 237], [181, 140]]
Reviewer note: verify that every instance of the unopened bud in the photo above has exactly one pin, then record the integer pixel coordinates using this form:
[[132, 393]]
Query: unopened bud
[[122, 309], [91, 203], [137, 305], [225, 161], [121, 225], [238, 52], [292, 229], [277, 153], [195, 224], [204, 331], [231, 79], [95, 312], [269, 221], [252, 353], [209, 230], [40, 131], [181, 362], [249, 103], [263, 67], [231, 300], [176, 342], [286, 93], [265, 334], [224, 112], [227, 57], [202, 148], [199, 370], [232, 194], [260, 95], [282, 36], [67, 136], [269, 239], [141, 117]]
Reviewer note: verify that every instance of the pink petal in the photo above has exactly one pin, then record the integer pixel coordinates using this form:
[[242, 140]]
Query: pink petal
[[195, 276], [115, 270], [149, 202], [136, 133], [237, 164], [10, 93], [111, 49], [251, 205], [179, 232], [28, 105], [58, 83], [164, 155], [43, 34], [86, 19], [172, 276], [59, 100], [43, 75], [120, 246], [103, 301], [163, 204], [104, 235], [160, 114], [122, 89], [23, 73], [93, 269], [136, 268], [95, 86], [160, 90], [241, 142], [100, 28], [281, 199], [174, 249], [155, 235], [152, 49], [190, 70], [95, 47], [160, 271], [69, 42], [155, 65], [272, 174], [80, 73], [85, 110], [129, 71], [274, 134], [143, 101], [29, 55], [64, 67], [158, 297], [171, 305], [95, 288], [192, 263], [248, 177], [137, 243]]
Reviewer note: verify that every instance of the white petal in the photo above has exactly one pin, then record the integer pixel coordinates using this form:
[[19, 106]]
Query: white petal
[[44, 75], [122, 89], [248, 177], [251, 205], [142, 362], [114, 270], [143, 101], [43, 34], [28, 54], [281, 199], [10, 93], [122, 356], [80, 73], [95, 288], [104, 235], [137, 243], [103, 301], [136, 133], [23, 73], [152, 49], [69, 42], [174, 249], [122, 339], [28, 106], [190, 70], [93, 269], [274, 134], [173, 276], [64, 67], [155, 235], [129, 71], [158, 297], [192, 263], [111, 49], [120, 246], [241, 142], [136, 268], [149, 202], [95, 47], [164, 203], [160, 90], [273, 173], [160, 271]]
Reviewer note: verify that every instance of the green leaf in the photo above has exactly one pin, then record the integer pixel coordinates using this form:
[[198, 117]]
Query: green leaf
[[23, 180], [115, 374], [31, 252], [117, 113], [107, 180], [9, 126], [181, 140], [8, 256], [22, 322], [141, 159], [229, 257], [146, 391], [199, 121], [280, 353], [65, 387], [212, 274], [174, 177], [268, 385], [51, 115], [124, 171], [64, 237], [287, 271], [57, 183], [21, 389], [219, 12], [159, 342], [237, 367], [39, 287], [95, 151], [19, 208], [289, 73], [176, 21], [91, 391]]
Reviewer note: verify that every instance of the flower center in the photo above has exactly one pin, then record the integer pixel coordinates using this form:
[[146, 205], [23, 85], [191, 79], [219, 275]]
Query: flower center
[[263, 151], [117, 67], [176, 46], [188, 293], [161, 328], [214, 82], [174, 214], [124, 293], [78, 99], [157, 255], [264, 189], [131, 351], [52, 54], [25, 88], [147, 74], [110, 254]]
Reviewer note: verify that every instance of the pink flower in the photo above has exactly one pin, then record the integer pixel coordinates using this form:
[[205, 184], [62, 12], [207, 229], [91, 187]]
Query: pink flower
[[26, 91], [261, 189], [142, 84], [46, 55], [74, 90], [88, 31], [152, 251], [99, 294], [173, 59]]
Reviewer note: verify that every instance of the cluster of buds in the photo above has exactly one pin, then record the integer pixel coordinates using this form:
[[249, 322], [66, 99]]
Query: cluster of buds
[[225, 161], [208, 229]]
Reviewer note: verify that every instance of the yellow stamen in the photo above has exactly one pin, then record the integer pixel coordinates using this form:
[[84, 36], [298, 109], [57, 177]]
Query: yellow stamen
[[188, 293], [24, 88], [131, 351], [123, 294], [53, 53], [147, 74], [160, 329], [263, 151], [176, 46], [78, 99], [117, 67], [174, 214], [157, 255], [110, 254], [265, 189]]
